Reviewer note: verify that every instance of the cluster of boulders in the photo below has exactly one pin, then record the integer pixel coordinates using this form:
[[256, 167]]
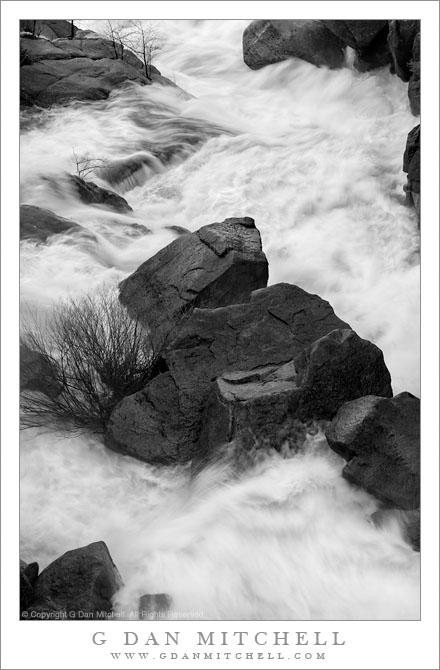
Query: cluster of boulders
[[247, 366], [243, 367], [377, 43], [60, 63]]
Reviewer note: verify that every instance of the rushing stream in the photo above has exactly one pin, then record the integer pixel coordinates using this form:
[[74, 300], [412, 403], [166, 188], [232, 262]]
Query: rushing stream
[[315, 157]]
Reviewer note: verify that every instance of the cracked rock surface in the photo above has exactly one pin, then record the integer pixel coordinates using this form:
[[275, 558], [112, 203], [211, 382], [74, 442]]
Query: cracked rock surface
[[161, 424], [380, 439], [262, 407], [218, 265]]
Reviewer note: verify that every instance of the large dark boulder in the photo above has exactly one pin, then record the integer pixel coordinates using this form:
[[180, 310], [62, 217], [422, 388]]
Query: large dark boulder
[[401, 36], [28, 576], [39, 224], [58, 70], [380, 439], [263, 406], [270, 41], [50, 82], [411, 165], [218, 265], [161, 424], [80, 583]]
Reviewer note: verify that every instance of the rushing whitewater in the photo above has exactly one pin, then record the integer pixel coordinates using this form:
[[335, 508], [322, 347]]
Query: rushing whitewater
[[315, 157]]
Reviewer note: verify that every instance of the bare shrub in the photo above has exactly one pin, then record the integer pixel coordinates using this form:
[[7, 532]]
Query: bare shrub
[[85, 164], [97, 355]]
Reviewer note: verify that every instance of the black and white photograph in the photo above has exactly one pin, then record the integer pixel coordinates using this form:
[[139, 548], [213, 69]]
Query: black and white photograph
[[218, 333]]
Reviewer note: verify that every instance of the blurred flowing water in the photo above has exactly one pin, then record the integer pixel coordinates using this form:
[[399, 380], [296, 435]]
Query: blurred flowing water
[[315, 156]]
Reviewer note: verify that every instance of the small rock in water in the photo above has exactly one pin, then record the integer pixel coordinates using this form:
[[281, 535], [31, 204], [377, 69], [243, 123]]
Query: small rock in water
[[179, 230], [39, 224], [154, 606]]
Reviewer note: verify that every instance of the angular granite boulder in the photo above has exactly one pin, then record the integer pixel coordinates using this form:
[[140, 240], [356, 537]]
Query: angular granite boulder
[[380, 439], [81, 583], [220, 264], [161, 424], [263, 406], [271, 41]]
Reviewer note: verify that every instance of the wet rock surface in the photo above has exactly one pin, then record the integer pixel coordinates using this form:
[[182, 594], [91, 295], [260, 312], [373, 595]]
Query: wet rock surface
[[271, 41], [161, 423], [411, 165], [57, 70], [80, 583], [39, 224], [263, 406], [218, 265], [380, 439]]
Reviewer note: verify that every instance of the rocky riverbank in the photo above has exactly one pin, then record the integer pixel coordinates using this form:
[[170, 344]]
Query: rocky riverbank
[[63, 64], [377, 43]]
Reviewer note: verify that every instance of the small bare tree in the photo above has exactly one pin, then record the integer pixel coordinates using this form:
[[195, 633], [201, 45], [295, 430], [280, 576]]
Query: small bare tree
[[119, 35], [85, 164], [95, 353], [145, 41]]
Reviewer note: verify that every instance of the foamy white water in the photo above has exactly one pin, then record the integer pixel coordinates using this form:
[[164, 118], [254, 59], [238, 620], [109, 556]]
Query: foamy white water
[[315, 156]]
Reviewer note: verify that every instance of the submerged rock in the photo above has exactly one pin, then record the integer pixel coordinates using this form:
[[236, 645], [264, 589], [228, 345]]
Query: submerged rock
[[262, 407], [80, 583], [39, 224], [154, 606], [270, 41], [380, 439], [91, 194], [218, 265], [161, 424]]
